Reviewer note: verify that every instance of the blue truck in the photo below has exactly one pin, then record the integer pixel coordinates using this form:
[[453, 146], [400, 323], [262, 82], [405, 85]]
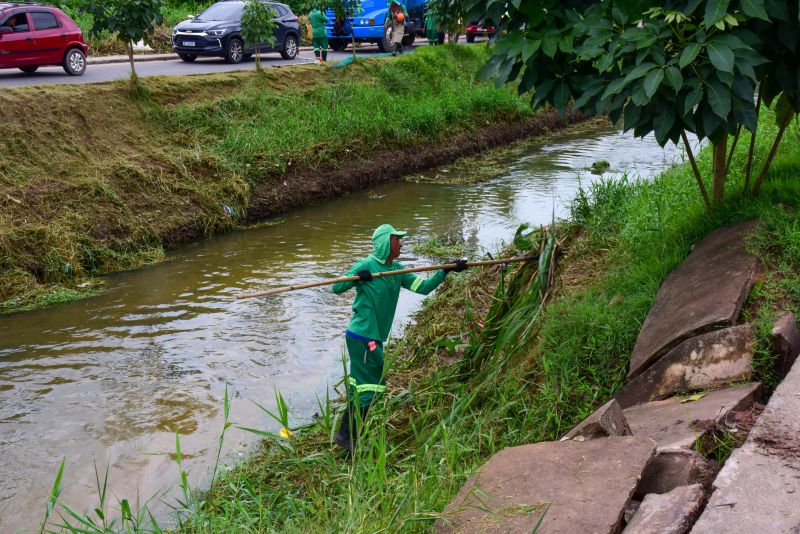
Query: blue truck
[[371, 25]]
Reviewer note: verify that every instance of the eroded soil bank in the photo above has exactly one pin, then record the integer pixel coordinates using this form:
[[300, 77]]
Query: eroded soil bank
[[98, 181]]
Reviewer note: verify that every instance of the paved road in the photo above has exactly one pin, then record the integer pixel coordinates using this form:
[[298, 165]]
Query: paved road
[[120, 71]]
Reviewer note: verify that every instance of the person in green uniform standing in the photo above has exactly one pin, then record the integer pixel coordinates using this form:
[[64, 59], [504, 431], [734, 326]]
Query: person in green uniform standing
[[432, 26], [319, 38], [373, 312]]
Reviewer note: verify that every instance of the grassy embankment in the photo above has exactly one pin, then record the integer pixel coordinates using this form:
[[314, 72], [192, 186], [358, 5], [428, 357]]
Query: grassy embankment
[[527, 375], [95, 181]]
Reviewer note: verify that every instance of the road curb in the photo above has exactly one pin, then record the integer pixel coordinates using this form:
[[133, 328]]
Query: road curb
[[138, 58]]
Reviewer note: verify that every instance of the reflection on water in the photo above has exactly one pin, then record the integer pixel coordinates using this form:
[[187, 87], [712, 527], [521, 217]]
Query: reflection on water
[[112, 378]]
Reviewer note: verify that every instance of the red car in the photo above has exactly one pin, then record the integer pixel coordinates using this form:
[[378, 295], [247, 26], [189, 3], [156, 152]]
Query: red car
[[476, 28], [35, 35]]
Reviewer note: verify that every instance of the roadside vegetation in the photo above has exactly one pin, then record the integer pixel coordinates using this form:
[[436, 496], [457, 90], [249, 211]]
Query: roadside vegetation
[[502, 358], [105, 181]]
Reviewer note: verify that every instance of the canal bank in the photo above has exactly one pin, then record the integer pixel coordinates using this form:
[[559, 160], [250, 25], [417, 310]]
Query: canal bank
[[112, 378], [98, 181]]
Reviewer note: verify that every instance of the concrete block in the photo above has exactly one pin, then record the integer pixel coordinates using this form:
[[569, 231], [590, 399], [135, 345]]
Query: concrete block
[[578, 486], [702, 362], [608, 420], [704, 293], [669, 422], [670, 513]]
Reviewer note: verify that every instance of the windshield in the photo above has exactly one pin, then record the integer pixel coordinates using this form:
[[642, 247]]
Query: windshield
[[222, 11]]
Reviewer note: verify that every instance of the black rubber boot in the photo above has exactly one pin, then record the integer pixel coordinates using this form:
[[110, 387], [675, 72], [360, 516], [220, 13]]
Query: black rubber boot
[[343, 437]]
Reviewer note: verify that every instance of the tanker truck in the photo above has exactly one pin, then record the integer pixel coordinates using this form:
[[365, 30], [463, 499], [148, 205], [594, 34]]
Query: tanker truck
[[370, 25]]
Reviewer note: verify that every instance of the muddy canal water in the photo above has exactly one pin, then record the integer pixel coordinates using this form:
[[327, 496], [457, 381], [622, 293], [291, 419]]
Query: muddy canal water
[[111, 378]]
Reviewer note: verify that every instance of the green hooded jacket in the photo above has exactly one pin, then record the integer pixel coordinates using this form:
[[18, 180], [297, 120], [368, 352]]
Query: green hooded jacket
[[318, 21], [376, 301]]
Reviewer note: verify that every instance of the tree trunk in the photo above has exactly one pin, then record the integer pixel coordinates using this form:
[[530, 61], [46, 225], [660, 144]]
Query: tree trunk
[[718, 183], [353, 40], [134, 77], [258, 60], [772, 153]]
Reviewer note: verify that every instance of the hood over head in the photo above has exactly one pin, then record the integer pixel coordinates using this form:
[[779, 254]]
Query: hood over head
[[382, 242]]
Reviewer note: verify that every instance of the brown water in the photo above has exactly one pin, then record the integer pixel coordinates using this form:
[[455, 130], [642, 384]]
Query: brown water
[[111, 378]]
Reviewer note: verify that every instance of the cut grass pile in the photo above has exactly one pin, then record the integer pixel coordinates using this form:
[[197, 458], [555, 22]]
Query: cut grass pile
[[97, 181]]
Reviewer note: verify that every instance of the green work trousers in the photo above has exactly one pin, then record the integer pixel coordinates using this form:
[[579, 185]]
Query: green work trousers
[[366, 371], [319, 44]]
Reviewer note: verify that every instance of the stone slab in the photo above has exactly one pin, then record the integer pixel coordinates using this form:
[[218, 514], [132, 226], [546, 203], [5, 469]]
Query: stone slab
[[701, 362], [669, 422], [670, 513], [672, 469], [758, 488], [703, 293], [786, 341], [578, 486], [608, 420]]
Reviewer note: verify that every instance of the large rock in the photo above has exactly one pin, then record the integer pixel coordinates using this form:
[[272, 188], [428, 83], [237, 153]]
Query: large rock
[[578, 486], [786, 341], [669, 422], [702, 362], [704, 293], [672, 469], [607, 420], [758, 489], [671, 513]]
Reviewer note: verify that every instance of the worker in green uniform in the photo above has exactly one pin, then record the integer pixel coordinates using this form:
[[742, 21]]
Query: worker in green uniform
[[432, 26], [319, 38], [373, 312]]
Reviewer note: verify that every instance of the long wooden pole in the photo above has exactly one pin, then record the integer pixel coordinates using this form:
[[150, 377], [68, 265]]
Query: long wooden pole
[[482, 263]]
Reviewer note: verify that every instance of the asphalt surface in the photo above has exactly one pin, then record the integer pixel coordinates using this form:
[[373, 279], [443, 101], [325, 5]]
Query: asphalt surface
[[121, 71]]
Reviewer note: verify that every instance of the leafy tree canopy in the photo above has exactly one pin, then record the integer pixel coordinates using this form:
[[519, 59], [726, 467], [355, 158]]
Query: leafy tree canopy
[[682, 66]]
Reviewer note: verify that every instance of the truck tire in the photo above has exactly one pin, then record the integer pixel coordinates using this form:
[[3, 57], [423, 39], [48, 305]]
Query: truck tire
[[385, 44], [337, 45]]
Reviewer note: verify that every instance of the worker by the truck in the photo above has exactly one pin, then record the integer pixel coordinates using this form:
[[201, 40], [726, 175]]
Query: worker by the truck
[[319, 38], [396, 9], [432, 25]]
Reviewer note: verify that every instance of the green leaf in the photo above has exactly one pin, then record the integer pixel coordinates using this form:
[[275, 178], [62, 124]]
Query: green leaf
[[652, 81], [691, 7], [630, 117], [529, 47], [639, 71], [692, 99], [720, 55], [754, 8], [662, 124], [689, 53], [719, 98], [715, 11], [674, 78], [542, 90], [550, 45], [614, 87], [561, 97]]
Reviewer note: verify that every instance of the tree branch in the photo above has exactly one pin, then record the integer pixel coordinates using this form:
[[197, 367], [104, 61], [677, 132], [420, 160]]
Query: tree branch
[[697, 177], [751, 150], [772, 152], [733, 147]]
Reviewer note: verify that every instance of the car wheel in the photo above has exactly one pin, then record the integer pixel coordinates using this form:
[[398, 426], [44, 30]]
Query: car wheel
[[471, 38], [385, 44], [75, 62], [29, 69], [289, 50], [188, 58], [234, 53], [338, 45]]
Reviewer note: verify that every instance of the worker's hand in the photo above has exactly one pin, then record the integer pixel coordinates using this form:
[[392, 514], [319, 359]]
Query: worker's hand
[[461, 265], [364, 275]]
